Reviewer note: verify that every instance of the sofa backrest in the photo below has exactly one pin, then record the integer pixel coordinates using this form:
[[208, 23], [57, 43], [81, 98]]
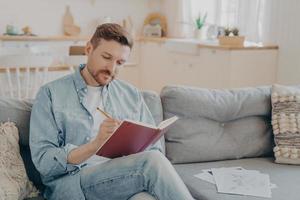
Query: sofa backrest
[[18, 111], [217, 124], [152, 99], [212, 125]]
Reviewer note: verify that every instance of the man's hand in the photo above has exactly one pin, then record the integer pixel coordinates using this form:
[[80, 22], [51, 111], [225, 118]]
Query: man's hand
[[106, 129], [80, 154]]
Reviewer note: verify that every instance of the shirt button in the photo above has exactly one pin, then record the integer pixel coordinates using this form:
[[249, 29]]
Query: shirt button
[[90, 117], [85, 90], [87, 138]]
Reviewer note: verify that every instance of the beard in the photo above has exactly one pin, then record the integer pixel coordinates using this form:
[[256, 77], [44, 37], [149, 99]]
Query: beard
[[98, 76], [106, 72]]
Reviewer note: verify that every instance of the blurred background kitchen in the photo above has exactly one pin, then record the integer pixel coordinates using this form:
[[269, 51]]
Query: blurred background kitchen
[[204, 43]]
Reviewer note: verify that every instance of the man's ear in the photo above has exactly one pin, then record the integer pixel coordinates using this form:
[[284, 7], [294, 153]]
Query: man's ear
[[88, 48]]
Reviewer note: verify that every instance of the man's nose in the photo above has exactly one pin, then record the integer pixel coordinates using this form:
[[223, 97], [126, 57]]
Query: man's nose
[[112, 66]]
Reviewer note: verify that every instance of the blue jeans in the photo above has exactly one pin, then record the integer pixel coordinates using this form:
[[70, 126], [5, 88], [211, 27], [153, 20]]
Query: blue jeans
[[123, 177]]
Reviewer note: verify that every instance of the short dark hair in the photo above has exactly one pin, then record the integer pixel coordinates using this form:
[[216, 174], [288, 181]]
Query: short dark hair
[[111, 31]]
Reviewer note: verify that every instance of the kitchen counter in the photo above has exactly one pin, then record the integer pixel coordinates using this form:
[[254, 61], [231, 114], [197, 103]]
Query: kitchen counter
[[211, 44], [43, 38]]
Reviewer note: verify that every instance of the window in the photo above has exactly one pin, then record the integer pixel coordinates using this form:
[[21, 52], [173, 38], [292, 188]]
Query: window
[[228, 13], [221, 12], [252, 17], [203, 6]]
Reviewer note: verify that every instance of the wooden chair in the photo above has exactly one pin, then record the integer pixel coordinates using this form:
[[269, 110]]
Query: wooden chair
[[21, 75]]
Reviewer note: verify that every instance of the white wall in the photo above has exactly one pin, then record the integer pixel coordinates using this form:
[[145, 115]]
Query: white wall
[[285, 31], [289, 42], [45, 16]]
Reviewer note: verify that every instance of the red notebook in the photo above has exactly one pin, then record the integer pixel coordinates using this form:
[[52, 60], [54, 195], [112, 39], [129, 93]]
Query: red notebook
[[133, 137]]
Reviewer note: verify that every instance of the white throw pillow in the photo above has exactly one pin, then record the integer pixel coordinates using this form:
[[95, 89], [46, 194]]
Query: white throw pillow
[[14, 183], [286, 123]]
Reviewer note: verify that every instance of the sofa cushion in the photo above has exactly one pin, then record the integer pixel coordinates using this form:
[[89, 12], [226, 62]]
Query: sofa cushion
[[286, 177], [14, 182], [152, 100], [286, 123], [217, 124], [18, 111]]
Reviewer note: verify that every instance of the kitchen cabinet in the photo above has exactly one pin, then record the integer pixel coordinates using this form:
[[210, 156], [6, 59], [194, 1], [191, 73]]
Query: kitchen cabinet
[[203, 65]]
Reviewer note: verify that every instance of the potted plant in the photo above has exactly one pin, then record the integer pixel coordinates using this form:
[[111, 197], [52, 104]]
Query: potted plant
[[200, 21], [231, 38]]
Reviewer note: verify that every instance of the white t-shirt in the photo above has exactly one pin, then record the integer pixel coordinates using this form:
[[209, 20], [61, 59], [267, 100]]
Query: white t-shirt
[[94, 100]]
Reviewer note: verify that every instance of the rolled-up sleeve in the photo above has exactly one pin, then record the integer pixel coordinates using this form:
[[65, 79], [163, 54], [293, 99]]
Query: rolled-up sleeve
[[49, 153]]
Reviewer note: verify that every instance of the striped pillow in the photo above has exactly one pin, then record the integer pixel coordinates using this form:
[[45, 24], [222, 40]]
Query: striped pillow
[[286, 123]]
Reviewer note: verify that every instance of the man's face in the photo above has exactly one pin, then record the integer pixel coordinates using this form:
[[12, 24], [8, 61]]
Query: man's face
[[105, 60]]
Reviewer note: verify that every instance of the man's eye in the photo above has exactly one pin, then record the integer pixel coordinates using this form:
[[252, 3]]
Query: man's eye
[[105, 57], [120, 63]]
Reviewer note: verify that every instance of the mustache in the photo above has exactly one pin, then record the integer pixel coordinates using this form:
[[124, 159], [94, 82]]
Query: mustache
[[107, 72]]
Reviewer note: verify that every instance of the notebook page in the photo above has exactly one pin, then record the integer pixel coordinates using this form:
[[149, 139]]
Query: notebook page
[[167, 122]]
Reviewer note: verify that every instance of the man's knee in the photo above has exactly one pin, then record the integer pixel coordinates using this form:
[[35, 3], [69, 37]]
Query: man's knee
[[155, 158]]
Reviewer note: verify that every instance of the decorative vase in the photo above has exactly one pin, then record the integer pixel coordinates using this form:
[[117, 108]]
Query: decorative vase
[[11, 30], [70, 29], [68, 17], [198, 34]]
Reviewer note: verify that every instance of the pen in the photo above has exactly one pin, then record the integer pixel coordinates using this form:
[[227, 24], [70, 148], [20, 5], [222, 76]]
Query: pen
[[104, 113]]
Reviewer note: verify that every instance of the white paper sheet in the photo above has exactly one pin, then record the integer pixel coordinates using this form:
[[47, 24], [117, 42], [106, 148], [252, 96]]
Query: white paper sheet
[[244, 182], [207, 175]]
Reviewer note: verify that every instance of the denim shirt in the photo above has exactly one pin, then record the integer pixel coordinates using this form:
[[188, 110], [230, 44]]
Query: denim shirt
[[61, 122]]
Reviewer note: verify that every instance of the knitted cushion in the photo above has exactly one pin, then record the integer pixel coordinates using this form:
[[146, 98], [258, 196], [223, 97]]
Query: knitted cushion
[[286, 123], [14, 183]]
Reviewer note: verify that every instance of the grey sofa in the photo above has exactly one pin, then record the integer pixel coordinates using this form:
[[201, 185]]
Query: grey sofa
[[216, 128]]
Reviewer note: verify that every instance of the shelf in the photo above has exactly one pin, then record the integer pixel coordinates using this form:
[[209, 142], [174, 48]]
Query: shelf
[[210, 43], [43, 38]]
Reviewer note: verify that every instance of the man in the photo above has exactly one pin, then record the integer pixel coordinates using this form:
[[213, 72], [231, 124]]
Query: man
[[66, 131]]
